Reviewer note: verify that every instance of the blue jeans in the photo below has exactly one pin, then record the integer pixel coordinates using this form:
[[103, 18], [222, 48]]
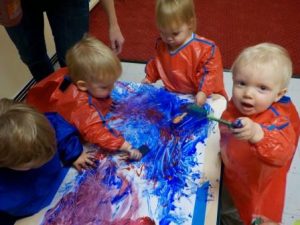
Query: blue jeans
[[68, 19]]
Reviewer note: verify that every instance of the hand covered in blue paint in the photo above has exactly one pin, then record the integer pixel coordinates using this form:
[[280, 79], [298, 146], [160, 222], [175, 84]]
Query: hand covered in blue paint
[[85, 161], [250, 131], [200, 98]]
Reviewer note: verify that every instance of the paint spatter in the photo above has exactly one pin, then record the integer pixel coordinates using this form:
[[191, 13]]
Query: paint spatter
[[101, 196], [152, 191], [169, 164]]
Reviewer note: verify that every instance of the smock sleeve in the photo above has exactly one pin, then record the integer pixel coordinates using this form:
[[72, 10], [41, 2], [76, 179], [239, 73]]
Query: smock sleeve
[[210, 71], [94, 129], [278, 145], [151, 70], [69, 146]]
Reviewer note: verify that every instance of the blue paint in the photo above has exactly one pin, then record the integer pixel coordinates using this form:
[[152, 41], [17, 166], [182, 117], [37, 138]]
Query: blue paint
[[121, 196], [144, 114], [237, 124], [200, 204], [110, 177]]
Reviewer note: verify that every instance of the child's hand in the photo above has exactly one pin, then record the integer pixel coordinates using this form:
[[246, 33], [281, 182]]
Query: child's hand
[[134, 154], [146, 81], [200, 98], [250, 131], [130, 153], [85, 161]]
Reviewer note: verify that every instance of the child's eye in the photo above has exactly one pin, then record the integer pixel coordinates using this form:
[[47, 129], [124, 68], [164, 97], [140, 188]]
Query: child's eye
[[175, 33], [263, 88], [241, 83]]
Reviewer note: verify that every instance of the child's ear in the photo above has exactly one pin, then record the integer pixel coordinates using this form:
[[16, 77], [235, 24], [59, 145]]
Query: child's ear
[[280, 94], [81, 85]]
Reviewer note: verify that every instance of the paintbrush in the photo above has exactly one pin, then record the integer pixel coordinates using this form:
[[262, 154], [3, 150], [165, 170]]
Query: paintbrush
[[201, 112], [144, 149]]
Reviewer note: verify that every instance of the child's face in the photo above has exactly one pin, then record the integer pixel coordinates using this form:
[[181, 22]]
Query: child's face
[[254, 91], [99, 90], [176, 36]]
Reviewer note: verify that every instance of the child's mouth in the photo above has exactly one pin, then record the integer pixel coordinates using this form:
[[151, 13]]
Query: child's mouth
[[246, 104]]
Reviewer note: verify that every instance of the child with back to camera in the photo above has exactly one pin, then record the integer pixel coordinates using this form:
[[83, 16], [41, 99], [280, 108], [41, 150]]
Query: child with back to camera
[[257, 156], [185, 62], [32, 150], [81, 94]]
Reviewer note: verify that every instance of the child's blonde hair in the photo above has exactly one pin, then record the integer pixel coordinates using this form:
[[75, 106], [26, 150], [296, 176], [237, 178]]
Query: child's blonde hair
[[90, 60], [25, 135], [265, 56], [174, 13]]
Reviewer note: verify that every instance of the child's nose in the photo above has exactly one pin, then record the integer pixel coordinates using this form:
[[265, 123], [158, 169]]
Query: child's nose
[[248, 92], [169, 38]]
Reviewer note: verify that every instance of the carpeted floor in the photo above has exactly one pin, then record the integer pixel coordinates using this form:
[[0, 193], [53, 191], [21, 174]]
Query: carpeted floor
[[232, 24]]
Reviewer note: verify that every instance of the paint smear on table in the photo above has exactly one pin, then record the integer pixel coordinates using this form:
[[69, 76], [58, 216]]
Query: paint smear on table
[[164, 187]]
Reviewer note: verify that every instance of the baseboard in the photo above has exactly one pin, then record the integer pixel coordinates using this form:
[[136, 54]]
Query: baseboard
[[22, 94], [134, 61]]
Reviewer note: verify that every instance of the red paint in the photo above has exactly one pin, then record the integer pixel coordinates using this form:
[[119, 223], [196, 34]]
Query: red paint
[[165, 134], [139, 221], [153, 115], [140, 170], [143, 221]]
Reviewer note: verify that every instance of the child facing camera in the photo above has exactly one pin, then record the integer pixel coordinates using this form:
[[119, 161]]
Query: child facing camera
[[32, 150], [81, 94], [185, 62], [257, 156]]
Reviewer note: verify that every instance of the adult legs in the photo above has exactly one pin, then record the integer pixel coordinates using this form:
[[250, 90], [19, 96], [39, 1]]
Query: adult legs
[[69, 21], [28, 37]]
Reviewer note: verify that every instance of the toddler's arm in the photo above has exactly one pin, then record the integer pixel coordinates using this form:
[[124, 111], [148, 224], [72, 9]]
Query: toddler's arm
[[152, 72], [200, 98], [273, 143], [210, 75]]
